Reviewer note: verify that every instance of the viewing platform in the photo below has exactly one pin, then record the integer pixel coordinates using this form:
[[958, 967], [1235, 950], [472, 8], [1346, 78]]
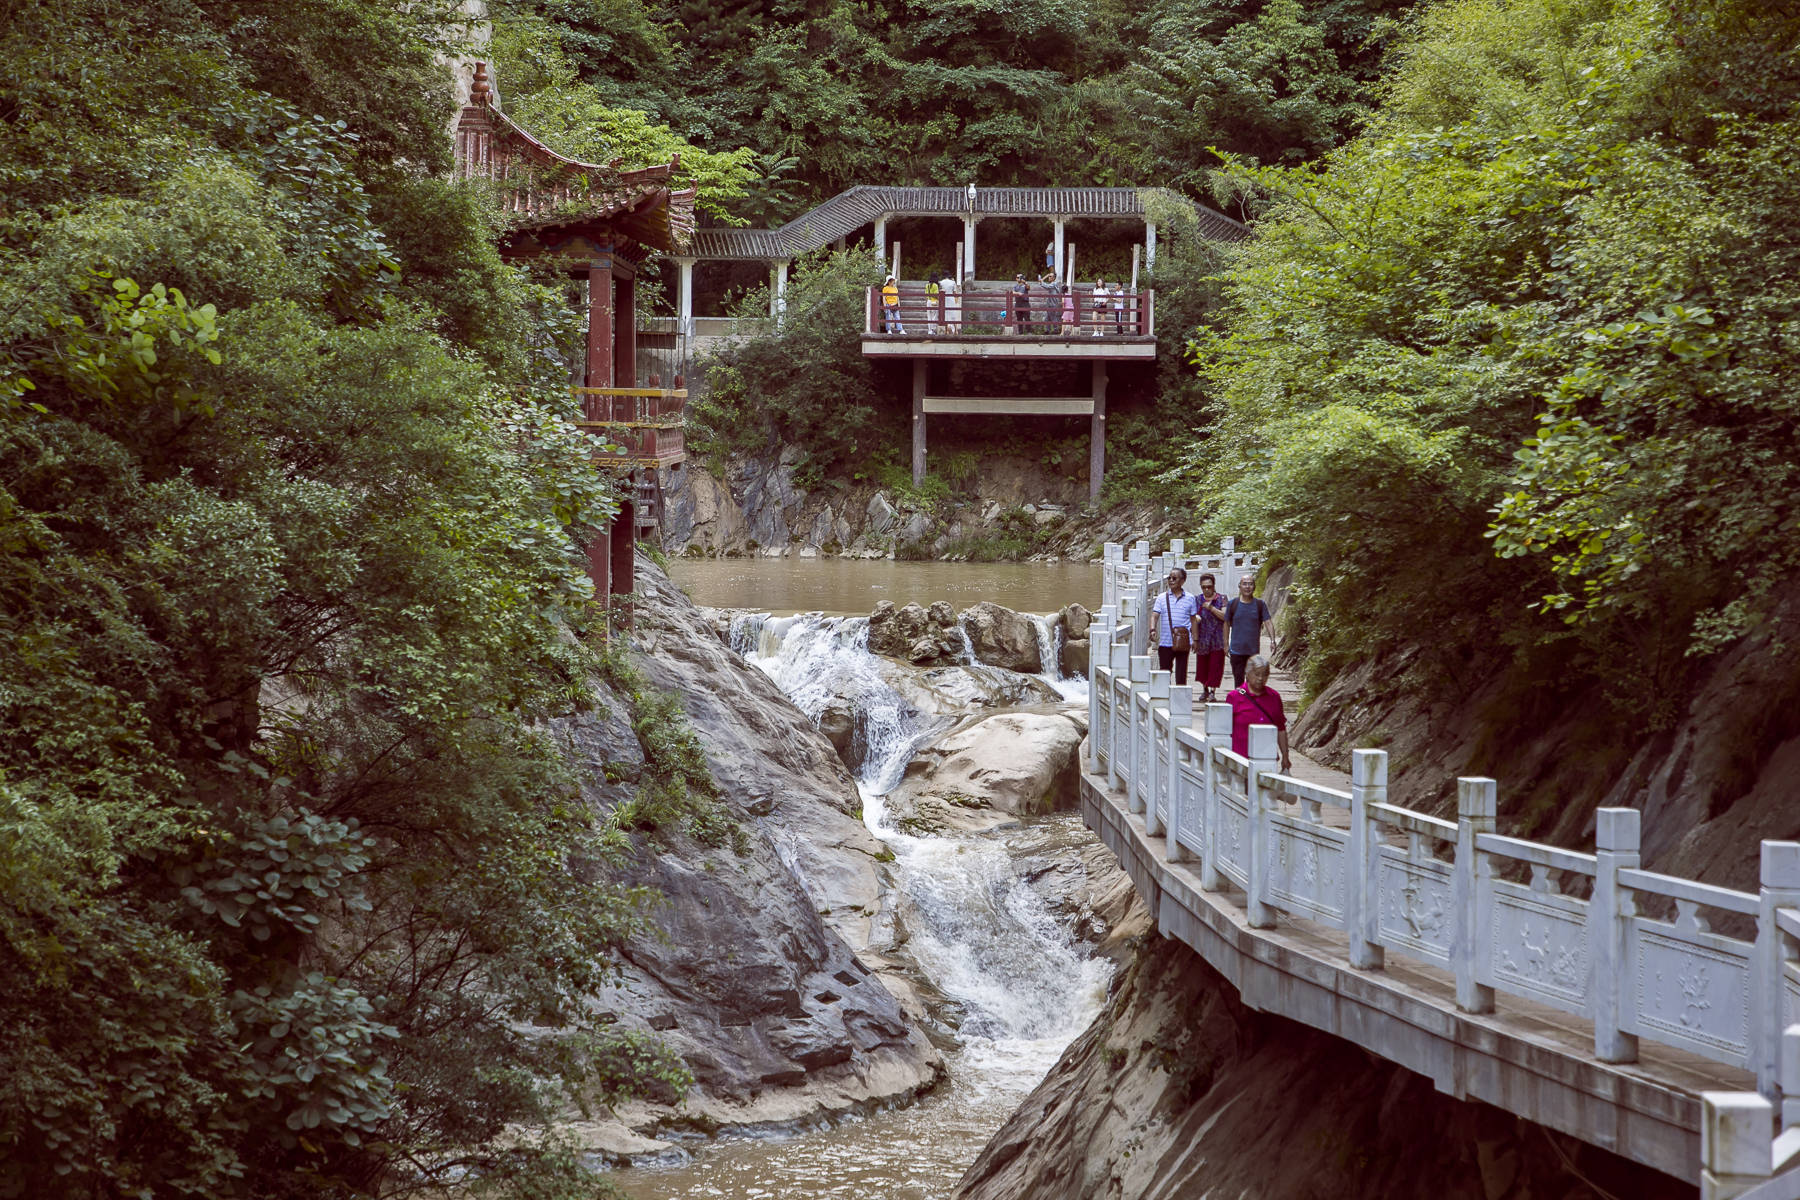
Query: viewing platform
[[985, 321]]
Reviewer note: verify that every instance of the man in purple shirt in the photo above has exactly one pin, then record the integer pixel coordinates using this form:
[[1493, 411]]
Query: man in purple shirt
[[1254, 702]]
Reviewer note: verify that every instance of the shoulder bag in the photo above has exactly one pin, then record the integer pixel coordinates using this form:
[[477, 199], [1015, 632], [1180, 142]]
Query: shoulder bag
[[1178, 638]]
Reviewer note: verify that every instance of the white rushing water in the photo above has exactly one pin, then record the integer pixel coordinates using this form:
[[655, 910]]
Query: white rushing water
[[1019, 986]]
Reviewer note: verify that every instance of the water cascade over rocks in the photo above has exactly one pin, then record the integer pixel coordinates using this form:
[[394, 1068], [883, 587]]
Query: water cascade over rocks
[[1006, 978]]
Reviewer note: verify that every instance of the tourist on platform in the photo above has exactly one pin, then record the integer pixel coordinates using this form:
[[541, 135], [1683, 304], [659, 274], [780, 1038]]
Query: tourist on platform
[[952, 304], [1118, 304], [1254, 702], [1021, 305], [934, 307], [1071, 324], [1101, 295], [1209, 643], [890, 307], [1173, 623], [1248, 619], [1049, 299]]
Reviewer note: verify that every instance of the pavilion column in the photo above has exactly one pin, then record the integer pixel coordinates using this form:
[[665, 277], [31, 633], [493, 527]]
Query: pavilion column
[[1149, 245], [778, 273], [968, 268], [600, 323], [684, 297], [918, 421], [1097, 433], [1061, 225], [624, 367], [881, 237]]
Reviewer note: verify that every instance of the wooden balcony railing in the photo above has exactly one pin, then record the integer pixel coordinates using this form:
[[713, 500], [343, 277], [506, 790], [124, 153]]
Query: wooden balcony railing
[[990, 308], [645, 423]]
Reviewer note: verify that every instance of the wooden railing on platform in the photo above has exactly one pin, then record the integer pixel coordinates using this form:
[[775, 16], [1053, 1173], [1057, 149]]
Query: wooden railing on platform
[[645, 423], [987, 308]]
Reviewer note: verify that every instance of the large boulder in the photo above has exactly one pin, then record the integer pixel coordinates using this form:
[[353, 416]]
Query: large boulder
[[920, 636], [996, 768], [1076, 656], [1075, 620], [1003, 638]]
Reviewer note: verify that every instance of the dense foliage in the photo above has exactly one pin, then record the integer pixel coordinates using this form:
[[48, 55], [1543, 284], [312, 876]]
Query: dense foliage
[[830, 94], [288, 590], [1512, 371]]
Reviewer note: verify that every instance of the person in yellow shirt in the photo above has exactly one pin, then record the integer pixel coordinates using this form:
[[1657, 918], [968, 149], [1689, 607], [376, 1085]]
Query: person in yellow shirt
[[890, 307]]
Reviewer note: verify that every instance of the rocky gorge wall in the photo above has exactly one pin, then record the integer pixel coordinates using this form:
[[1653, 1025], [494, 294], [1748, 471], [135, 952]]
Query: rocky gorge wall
[[756, 507]]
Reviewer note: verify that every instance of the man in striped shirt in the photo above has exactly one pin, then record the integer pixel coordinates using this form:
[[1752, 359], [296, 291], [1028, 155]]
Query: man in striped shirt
[[1175, 612]]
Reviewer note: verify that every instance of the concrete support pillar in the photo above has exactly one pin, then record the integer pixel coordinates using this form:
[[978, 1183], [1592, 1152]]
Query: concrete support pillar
[[1362, 911], [1265, 755], [1061, 224], [1150, 246], [1097, 432], [1609, 911], [1181, 716], [1218, 737], [600, 324], [1476, 805], [1735, 1150], [684, 297], [920, 366], [1780, 889], [881, 237], [624, 333], [968, 265]]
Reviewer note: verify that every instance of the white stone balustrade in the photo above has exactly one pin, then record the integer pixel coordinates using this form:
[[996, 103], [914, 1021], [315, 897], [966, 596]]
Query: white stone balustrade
[[1631, 950], [1131, 578], [1741, 1155]]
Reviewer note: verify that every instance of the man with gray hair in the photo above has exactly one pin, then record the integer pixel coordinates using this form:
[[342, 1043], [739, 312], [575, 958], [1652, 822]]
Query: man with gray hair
[[1254, 702]]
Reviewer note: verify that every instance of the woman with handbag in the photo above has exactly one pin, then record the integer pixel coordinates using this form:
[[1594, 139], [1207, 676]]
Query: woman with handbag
[[1173, 623]]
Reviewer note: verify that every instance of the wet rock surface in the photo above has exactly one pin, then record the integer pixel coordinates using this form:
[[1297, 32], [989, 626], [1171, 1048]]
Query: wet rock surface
[[758, 970], [1003, 638], [990, 771]]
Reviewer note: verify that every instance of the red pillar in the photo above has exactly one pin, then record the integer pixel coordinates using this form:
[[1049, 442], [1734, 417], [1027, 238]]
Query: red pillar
[[600, 555], [624, 544], [600, 324], [625, 333]]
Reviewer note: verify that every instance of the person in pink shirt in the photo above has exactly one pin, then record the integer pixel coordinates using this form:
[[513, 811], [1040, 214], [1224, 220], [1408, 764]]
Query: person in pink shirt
[[1254, 702]]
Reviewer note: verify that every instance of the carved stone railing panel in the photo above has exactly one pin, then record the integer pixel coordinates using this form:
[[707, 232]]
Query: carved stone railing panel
[[1690, 988], [1414, 904], [1536, 944], [1190, 751], [1308, 869]]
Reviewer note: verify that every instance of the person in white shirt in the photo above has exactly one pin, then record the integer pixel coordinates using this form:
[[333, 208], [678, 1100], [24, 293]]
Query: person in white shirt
[[1175, 626], [1101, 295]]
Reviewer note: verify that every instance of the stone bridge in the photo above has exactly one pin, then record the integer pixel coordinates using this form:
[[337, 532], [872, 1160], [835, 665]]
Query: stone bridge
[[1650, 1015]]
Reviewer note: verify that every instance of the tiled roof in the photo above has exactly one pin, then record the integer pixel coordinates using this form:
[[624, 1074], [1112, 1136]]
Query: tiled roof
[[850, 210], [543, 190]]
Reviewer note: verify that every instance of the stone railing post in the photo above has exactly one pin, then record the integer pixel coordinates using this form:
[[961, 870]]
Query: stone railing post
[[1735, 1143], [1609, 911], [1476, 806], [1780, 889], [1218, 736], [1362, 896], [1181, 716], [1790, 1077], [1154, 779], [1140, 679], [1121, 722], [1265, 755], [1099, 639]]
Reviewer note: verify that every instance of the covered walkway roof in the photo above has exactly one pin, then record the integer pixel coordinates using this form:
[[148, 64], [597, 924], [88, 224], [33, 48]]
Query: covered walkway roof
[[866, 204]]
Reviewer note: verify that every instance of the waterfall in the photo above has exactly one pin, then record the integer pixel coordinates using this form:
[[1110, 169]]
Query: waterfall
[[983, 935], [1050, 643]]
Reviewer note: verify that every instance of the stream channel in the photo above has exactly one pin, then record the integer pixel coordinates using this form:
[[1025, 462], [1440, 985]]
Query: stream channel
[[1024, 987]]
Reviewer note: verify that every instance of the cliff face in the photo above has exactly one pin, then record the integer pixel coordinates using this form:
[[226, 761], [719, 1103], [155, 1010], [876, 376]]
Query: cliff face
[[1721, 777], [1178, 1091], [760, 969]]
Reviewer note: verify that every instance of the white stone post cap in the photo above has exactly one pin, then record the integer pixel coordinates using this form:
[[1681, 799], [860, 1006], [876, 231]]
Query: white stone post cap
[[1121, 658], [1781, 864], [1218, 719], [1140, 668], [1161, 684], [1177, 548], [1181, 702], [1368, 768], [1262, 742], [1477, 797], [1736, 1132], [1617, 829]]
